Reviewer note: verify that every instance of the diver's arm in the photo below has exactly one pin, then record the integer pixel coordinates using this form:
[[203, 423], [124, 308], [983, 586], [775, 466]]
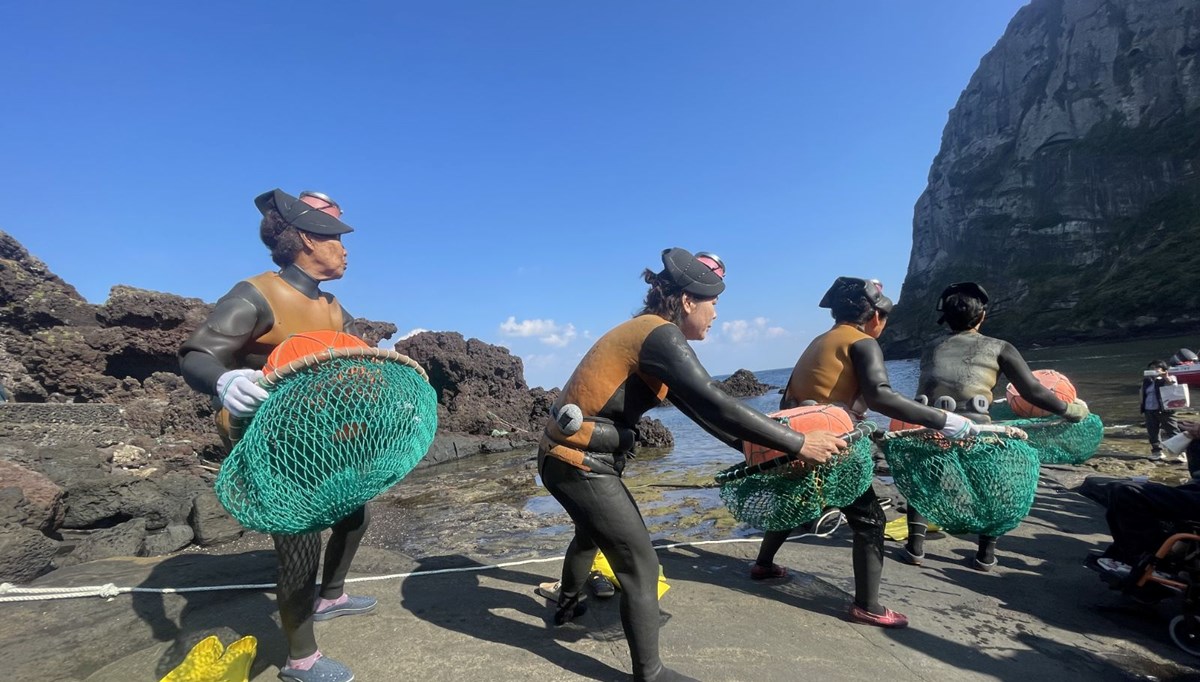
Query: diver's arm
[[209, 352], [349, 322], [877, 389], [1014, 367], [667, 356]]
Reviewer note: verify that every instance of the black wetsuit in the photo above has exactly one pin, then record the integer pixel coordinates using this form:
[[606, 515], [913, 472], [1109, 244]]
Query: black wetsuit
[[628, 371], [845, 367], [239, 334], [960, 367]]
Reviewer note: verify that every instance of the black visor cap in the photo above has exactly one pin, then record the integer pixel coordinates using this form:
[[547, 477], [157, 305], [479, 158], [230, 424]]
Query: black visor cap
[[299, 214], [852, 286], [691, 275]]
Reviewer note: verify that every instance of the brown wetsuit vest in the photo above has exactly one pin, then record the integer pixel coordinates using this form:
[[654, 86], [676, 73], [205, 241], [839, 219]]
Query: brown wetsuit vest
[[825, 373], [293, 313], [612, 393]]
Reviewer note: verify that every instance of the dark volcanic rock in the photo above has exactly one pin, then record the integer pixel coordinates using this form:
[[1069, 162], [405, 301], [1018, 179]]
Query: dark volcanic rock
[[124, 539], [24, 553], [481, 388], [651, 433], [212, 524], [32, 297], [373, 332], [115, 498], [743, 384], [167, 540]]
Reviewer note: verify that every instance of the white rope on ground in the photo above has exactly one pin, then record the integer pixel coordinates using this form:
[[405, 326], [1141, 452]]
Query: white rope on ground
[[12, 593]]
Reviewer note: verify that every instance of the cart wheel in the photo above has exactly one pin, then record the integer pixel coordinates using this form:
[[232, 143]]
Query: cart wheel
[[1185, 632]]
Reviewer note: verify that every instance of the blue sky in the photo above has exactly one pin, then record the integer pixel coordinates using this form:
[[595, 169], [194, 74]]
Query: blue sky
[[510, 167]]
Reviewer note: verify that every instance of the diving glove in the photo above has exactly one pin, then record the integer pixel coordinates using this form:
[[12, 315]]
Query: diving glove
[[240, 393], [958, 427], [1077, 411]]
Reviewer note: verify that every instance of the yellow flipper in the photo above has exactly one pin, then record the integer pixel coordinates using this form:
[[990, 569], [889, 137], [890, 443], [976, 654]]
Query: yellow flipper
[[897, 530], [210, 661], [600, 565]]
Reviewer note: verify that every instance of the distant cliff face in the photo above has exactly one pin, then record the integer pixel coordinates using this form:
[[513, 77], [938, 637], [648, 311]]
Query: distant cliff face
[[1068, 180]]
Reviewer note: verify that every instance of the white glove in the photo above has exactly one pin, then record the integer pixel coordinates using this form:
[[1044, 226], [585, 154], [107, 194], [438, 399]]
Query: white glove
[[957, 427], [240, 393]]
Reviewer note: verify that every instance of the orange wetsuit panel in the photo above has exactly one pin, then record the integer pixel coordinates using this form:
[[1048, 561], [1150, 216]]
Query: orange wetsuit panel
[[825, 372], [605, 371]]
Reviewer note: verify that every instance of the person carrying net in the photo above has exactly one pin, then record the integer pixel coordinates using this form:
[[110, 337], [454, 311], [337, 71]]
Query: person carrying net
[[584, 447], [844, 366], [224, 358], [959, 372]]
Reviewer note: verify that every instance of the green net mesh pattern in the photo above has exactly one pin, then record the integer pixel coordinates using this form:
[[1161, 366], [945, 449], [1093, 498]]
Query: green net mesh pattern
[[1057, 441], [783, 501], [982, 485], [328, 439]]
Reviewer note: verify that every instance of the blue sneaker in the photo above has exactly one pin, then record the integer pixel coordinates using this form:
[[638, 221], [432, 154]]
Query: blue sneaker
[[352, 607], [324, 670]]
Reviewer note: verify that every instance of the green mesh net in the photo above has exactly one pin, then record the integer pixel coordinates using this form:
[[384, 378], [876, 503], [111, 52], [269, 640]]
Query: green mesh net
[[982, 485], [785, 500], [1056, 440], [331, 436]]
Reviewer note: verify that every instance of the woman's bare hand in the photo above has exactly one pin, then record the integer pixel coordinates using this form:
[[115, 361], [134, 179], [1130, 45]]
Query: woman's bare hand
[[820, 446]]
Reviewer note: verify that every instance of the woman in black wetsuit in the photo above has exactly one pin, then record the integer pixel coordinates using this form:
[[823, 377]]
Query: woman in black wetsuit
[[224, 358], [591, 433], [958, 373]]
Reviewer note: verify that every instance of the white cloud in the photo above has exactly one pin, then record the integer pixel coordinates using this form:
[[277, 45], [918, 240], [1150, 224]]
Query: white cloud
[[560, 339], [750, 331], [412, 333], [548, 332]]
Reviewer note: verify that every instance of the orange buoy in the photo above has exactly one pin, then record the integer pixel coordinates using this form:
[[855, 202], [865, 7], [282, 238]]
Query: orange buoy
[[298, 346], [1058, 384], [804, 419]]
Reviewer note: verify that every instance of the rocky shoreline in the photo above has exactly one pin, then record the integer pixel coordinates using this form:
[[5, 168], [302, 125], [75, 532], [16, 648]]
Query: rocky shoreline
[[105, 451]]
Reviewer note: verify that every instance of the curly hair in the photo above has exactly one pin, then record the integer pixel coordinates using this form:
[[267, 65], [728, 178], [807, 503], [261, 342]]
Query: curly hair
[[281, 238], [665, 297]]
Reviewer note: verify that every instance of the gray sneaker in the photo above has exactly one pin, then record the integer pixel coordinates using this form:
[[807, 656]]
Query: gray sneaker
[[324, 670], [352, 607]]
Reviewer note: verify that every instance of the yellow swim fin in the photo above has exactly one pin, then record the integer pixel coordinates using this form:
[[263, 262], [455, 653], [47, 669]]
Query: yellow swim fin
[[210, 661], [601, 566], [897, 530]]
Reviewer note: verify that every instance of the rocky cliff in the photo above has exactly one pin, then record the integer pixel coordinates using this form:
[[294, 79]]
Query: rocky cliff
[[1068, 179]]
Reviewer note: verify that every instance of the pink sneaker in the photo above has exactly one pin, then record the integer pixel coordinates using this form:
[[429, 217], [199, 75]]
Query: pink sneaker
[[889, 618]]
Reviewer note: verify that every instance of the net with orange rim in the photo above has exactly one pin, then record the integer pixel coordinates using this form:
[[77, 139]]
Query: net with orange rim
[[1056, 440], [340, 427], [983, 485], [793, 494]]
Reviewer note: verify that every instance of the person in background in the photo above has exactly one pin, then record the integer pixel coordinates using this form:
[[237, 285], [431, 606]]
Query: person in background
[[1160, 423], [845, 367], [224, 359], [1142, 514], [590, 435], [959, 371]]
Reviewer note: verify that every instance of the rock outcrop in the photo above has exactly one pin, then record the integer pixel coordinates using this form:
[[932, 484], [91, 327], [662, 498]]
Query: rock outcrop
[[744, 384], [1068, 180]]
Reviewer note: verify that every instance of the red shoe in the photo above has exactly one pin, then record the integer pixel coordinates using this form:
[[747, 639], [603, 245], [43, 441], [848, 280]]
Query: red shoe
[[764, 573], [889, 619]]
